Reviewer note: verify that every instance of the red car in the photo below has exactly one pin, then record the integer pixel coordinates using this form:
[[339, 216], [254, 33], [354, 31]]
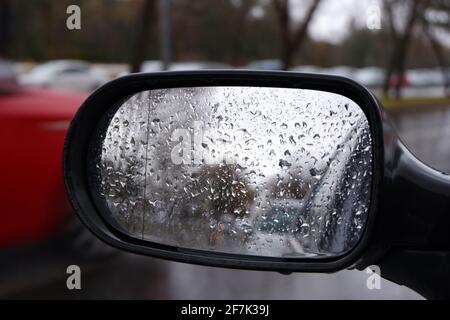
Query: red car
[[32, 165]]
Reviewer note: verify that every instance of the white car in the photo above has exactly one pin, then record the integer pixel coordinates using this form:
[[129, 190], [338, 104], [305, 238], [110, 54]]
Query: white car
[[425, 77], [152, 66], [343, 71], [371, 77], [73, 75], [307, 69], [268, 64]]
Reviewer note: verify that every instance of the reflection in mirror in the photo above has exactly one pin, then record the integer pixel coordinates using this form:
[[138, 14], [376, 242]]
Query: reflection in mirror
[[245, 170]]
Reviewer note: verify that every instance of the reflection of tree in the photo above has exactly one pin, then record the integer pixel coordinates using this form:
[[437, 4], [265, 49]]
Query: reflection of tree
[[222, 195], [223, 190], [198, 209]]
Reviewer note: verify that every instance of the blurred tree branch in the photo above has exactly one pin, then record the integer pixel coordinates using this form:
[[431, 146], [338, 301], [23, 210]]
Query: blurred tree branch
[[390, 15], [400, 42], [292, 39], [240, 27]]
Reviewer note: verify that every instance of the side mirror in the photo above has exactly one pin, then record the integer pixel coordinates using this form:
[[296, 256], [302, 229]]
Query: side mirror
[[256, 170]]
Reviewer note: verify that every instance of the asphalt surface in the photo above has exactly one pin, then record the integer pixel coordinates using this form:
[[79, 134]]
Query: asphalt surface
[[425, 131]]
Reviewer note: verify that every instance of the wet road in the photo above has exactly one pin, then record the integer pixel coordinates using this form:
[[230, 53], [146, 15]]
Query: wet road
[[193, 282], [134, 277], [426, 133]]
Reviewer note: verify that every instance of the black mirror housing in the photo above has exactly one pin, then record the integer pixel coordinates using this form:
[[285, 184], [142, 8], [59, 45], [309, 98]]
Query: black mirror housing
[[84, 126]]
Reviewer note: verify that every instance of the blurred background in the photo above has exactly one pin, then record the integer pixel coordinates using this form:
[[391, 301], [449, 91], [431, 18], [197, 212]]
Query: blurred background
[[52, 55]]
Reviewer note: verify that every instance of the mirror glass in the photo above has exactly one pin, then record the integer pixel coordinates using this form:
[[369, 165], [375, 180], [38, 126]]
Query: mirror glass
[[270, 172]]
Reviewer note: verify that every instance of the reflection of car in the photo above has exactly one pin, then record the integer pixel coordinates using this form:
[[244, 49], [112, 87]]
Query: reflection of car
[[72, 75], [281, 216], [273, 232]]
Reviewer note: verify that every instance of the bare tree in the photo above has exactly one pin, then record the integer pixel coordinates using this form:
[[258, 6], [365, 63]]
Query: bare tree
[[146, 19], [241, 19], [428, 28], [292, 38], [401, 40]]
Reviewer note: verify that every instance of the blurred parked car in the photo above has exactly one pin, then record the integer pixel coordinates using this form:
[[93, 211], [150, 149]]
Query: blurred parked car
[[343, 71], [71, 75], [280, 217], [371, 77], [307, 69], [425, 77], [276, 230], [268, 64], [156, 65], [151, 66]]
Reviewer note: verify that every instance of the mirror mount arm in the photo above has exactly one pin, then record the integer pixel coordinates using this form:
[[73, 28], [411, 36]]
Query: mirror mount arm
[[426, 272], [411, 237], [420, 205]]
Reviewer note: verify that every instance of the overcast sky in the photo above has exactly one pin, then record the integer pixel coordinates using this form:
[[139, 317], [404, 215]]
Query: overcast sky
[[333, 18]]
